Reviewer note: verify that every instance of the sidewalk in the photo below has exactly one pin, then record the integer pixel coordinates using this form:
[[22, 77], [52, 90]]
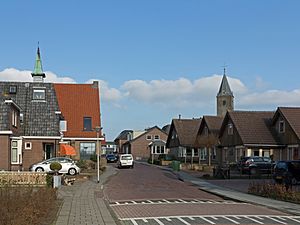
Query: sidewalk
[[204, 185], [83, 202]]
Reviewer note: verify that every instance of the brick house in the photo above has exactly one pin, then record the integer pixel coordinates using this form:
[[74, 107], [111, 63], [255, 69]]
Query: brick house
[[80, 108], [140, 146], [30, 118], [182, 137]]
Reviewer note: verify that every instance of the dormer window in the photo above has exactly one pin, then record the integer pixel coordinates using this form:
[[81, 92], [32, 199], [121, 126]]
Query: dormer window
[[205, 131], [12, 89], [39, 94], [156, 137], [230, 129], [281, 127]]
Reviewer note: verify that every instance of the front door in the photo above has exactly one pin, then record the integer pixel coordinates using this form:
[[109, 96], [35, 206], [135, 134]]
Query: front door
[[49, 150]]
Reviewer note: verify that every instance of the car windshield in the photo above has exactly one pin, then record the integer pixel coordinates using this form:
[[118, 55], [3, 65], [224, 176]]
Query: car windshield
[[127, 157]]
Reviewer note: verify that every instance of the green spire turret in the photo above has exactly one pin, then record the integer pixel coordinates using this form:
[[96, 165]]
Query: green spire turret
[[38, 73]]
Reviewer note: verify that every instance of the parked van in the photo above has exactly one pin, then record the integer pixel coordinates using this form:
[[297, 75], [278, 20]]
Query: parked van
[[125, 160]]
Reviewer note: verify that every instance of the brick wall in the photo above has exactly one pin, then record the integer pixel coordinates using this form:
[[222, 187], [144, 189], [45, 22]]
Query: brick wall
[[4, 152], [140, 146]]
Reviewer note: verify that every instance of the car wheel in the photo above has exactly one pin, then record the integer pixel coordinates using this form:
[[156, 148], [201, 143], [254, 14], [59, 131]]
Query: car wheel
[[253, 171], [132, 167], [294, 181], [72, 171], [39, 169]]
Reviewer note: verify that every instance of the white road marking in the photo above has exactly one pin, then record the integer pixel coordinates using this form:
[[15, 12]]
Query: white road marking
[[278, 221], [182, 201], [294, 219], [150, 201], [134, 222], [203, 218], [254, 220], [134, 202], [231, 220], [183, 221], [207, 218], [166, 201], [117, 203], [159, 222]]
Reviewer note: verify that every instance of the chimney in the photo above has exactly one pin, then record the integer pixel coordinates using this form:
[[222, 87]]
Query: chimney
[[95, 84]]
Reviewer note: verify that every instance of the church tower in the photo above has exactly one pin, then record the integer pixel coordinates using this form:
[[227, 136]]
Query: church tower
[[224, 97], [38, 75]]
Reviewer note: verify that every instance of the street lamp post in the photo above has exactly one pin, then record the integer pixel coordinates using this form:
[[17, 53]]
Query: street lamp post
[[98, 129]]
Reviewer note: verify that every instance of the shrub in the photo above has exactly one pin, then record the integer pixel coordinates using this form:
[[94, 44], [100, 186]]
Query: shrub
[[274, 191], [82, 164], [28, 205], [55, 166], [49, 180]]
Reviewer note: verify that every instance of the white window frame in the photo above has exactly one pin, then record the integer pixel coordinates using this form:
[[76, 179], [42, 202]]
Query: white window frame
[[203, 154], [148, 137], [28, 145], [16, 148], [14, 118], [40, 96], [156, 137]]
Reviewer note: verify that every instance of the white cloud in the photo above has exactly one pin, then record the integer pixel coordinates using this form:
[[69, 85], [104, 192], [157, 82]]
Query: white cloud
[[180, 92], [107, 93], [271, 97], [12, 74]]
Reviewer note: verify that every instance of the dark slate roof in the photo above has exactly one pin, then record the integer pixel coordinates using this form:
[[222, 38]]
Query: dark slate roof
[[292, 116], [187, 130], [123, 135], [225, 88], [254, 127], [39, 115], [166, 128]]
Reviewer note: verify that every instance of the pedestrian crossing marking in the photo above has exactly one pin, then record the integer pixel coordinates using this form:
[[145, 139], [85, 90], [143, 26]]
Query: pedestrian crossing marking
[[218, 219]]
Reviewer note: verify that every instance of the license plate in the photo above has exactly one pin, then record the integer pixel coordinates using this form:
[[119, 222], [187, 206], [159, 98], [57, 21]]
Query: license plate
[[278, 177]]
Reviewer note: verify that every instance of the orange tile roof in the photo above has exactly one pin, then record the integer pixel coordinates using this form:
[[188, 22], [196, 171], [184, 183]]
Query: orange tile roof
[[77, 101]]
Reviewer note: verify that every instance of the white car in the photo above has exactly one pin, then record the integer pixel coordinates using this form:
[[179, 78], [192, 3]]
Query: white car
[[125, 160], [68, 166]]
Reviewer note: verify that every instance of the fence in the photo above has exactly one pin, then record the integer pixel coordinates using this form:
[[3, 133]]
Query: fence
[[22, 178]]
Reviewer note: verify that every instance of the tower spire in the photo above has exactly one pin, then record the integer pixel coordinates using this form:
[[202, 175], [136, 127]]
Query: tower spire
[[38, 75]]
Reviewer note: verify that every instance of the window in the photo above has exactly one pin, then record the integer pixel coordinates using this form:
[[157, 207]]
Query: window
[[87, 123], [149, 137], [38, 94], [205, 131], [224, 102], [87, 150], [14, 152], [203, 153], [13, 89], [14, 118], [281, 126], [230, 129], [156, 137], [28, 145]]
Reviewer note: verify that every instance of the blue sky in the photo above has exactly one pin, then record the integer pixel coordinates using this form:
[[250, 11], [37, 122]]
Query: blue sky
[[160, 58]]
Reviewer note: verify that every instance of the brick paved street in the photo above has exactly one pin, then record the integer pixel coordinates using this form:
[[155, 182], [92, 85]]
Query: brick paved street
[[145, 182], [150, 195]]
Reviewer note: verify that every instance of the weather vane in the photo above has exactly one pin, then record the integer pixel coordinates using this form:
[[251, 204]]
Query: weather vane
[[224, 68]]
